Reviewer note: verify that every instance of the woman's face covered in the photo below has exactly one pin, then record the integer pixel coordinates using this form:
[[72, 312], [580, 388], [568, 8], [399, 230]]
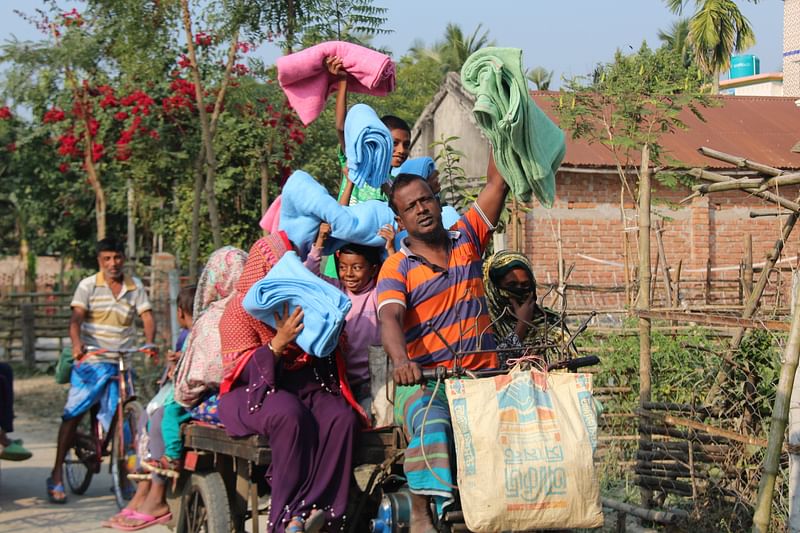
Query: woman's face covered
[[517, 285]]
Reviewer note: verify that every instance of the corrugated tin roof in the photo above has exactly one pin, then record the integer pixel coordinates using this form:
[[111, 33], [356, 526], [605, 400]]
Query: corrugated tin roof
[[760, 128]]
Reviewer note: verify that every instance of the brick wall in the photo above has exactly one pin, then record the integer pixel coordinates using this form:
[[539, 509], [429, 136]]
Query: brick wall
[[710, 230]]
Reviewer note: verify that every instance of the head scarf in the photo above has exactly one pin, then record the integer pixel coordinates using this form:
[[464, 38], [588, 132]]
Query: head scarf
[[494, 270], [240, 333], [200, 365]]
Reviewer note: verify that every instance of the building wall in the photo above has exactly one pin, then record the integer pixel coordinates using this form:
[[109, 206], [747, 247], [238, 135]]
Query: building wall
[[770, 88], [709, 230], [452, 118], [791, 47]]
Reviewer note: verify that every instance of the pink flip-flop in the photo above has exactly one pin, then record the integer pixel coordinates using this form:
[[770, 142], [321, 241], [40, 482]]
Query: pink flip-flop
[[147, 521], [122, 514]]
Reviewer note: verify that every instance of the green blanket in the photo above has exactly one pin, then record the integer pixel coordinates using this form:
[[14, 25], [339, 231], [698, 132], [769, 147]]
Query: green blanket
[[528, 146]]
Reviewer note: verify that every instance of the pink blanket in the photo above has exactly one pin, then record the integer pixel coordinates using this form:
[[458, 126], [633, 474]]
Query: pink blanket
[[269, 222], [307, 84]]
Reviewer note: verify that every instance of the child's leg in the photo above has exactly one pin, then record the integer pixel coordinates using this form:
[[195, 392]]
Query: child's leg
[[174, 416]]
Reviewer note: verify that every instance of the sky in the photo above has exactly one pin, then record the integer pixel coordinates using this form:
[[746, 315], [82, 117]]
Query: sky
[[568, 37]]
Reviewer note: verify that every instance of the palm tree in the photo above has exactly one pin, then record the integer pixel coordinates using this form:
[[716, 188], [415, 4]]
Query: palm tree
[[716, 31], [677, 40], [541, 78], [454, 49]]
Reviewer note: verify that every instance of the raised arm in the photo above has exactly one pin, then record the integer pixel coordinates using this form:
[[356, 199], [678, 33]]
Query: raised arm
[[406, 372], [336, 70], [492, 198]]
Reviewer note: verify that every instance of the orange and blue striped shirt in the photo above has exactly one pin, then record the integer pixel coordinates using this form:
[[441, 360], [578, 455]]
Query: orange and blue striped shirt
[[449, 301]]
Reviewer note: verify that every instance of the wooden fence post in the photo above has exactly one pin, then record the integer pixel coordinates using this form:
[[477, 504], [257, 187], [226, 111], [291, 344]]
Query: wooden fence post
[[174, 288], [28, 334]]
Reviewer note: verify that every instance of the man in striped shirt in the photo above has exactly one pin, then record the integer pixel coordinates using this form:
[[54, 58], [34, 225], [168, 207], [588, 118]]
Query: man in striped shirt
[[104, 308], [431, 305]]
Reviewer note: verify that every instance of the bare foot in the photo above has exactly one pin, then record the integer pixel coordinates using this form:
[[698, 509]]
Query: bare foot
[[420, 515]]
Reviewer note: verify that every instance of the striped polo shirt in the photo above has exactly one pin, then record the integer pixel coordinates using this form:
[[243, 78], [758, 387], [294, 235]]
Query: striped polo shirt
[[449, 301], [110, 319]]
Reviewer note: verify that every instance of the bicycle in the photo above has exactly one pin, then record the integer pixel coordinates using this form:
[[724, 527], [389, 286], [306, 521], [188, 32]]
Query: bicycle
[[85, 456]]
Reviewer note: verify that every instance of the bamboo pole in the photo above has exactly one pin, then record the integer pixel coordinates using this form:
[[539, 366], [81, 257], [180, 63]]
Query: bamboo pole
[[780, 416], [748, 265], [733, 185], [664, 266], [721, 178], [752, 304], [740, 162], [707, 428], [643, 301]]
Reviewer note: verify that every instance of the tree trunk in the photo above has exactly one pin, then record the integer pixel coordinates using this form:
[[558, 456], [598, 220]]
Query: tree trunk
[[794, 458], [196, 200], [643, 301], [780, 415], [290, 26], [99, 193], [131, 203]]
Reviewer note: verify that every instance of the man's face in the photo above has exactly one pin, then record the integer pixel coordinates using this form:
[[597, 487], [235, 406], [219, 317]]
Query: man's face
[[418, 209], [402, 142], [111, 264]]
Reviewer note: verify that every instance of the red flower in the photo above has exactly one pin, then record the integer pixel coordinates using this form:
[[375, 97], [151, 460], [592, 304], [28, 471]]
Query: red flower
[[97, 151], [93, 127], [5, 113], [63, 168], [68, 145], [121, 115], [11, 147], [184, 62], [240, 70], [123, 154], [53, 115], [154, 134], [202, 39], [109, 101]]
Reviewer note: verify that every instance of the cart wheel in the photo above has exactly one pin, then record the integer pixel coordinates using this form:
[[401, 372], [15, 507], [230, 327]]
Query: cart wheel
[[123, 452], [204, 506], [81, 461]]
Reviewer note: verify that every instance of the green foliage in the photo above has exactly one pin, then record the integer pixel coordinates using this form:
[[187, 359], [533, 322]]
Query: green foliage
[[453, 50], [717, 30], [540, 77], [632, 102]]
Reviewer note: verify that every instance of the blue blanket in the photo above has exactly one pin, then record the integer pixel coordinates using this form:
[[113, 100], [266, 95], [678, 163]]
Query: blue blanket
[[305, 203], [324, 306], [368, 147], [421, 166]]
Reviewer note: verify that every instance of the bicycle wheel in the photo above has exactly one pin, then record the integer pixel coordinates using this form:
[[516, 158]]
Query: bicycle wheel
[[81, 461], [123, 458]]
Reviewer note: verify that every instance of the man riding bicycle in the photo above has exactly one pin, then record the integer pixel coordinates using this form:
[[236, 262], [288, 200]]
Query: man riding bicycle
[[104, 309]]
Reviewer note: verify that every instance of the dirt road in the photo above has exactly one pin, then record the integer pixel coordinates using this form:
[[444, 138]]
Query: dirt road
[[23, 498]]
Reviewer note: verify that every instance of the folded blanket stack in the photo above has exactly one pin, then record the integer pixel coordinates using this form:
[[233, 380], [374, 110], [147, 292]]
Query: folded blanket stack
[[421, 166], [306, 82], [324, 306], [305, 204], [528, 146], [368, 147]]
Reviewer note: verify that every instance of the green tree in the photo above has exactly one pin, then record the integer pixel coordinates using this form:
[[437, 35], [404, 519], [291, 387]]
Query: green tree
[[676, 38], [454, 48], [717, 30], [540, 77]]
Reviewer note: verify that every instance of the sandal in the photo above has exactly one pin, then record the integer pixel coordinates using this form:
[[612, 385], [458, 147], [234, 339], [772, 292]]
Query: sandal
[[145, 520], [312, 524], [114, 519], [53, 491]]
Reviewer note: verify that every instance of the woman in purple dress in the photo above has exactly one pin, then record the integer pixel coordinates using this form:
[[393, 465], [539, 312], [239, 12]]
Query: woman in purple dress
[[302, 403]]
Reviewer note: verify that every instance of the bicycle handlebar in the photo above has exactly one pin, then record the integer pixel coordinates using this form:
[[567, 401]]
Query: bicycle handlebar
[[442, 372], [147, 349]]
